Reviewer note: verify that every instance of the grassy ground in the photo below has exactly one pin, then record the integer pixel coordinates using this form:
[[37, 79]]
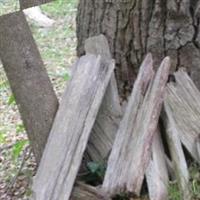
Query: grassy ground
[[57, 46]]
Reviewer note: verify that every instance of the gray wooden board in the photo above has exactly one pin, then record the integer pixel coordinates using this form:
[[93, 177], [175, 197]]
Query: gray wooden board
[[156, 173], [109, 116], [82, 191], [183, 100], [176, 152], [31, 3], [71, 129], [28, 79], [130, 153], [116, 165]]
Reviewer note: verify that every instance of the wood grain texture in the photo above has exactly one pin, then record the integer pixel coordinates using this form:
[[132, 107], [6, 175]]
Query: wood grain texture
[[131, 150], [82, 191], [71, 129], [31, 3], [28, 79], [176, 151], [117, 165], [109, 115], [183, 100], [134, 28], [156, 173]]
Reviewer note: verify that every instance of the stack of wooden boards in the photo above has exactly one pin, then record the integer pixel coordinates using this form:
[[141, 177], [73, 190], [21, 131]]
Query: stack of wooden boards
[[133, 138], [89, 120]]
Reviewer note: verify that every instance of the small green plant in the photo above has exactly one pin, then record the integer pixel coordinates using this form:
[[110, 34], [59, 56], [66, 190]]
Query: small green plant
[[195, 181], [121, 197], [20, 128], [95, 174], [65, 76], [174, 192], [3, 82], [96, 168], [2, 137], [11, 100], [18, 148]]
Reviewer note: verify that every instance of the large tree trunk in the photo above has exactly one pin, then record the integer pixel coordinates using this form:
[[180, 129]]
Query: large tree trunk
[[135, 27]]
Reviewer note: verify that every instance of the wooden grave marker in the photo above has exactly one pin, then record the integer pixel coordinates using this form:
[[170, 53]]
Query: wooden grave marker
[[28, 79], [71, 129]]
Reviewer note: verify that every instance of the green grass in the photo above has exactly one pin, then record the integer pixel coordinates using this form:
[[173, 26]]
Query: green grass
[[57, 46], [8, 6], [174, 191], [60, 8]]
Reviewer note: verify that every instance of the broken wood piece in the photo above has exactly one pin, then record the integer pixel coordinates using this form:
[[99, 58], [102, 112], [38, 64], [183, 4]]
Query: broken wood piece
[[131, 150], [183, 99], [156, 173], [109, 115], [71, 129], [28, 79], [176, 151], [170, 168], [82, 191], [31, 3], [143, 133], [98, 45], [112, 182], [40, 19], [198, 146]]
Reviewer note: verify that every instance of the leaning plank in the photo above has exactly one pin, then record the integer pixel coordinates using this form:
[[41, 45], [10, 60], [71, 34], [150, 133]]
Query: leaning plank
[[130, 154], [156, 173], [143, 133], [176, 151], [31, 3], [28, 78], [109, 116], [183, 98], [198, 147], [82, 191], [112, 183], [71, 129]]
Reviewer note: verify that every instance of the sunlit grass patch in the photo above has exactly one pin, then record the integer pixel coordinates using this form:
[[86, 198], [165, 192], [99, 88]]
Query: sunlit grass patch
[[8, 6]]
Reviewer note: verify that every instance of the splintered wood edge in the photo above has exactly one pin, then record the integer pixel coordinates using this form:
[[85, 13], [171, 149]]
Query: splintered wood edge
[[98, 149], [146, 73], [176, 151]]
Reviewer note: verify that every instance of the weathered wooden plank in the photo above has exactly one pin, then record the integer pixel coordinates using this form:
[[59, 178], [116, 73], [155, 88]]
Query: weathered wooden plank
[[183, 98], [71, 129], [109, 116], [36, 15], [143, 133], [170, 168], [116, 164], [98, 45], [198, 147], [176, 151], [156, 173], [31, 3], [28, 78], [82, 191], [130, 154]]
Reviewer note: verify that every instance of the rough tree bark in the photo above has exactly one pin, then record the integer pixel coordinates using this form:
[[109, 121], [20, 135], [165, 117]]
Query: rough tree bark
[[135, 27]]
